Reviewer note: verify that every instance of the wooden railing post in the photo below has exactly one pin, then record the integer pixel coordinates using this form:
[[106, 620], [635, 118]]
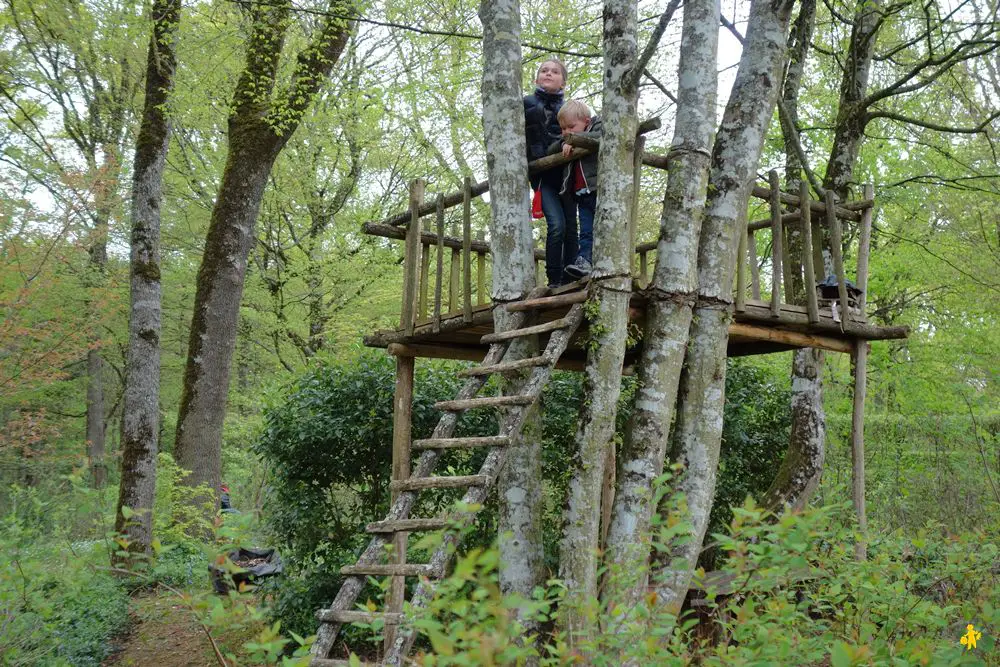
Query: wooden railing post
[[807, 253], [836, 250], [466, 248], [741, 265], [633, 221], [411, 259], [481, 278], [754, 268], [439, 274], [864, 249], [776, 243]]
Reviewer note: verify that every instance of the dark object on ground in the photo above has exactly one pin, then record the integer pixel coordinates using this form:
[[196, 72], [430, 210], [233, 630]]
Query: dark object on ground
[[257, 564]]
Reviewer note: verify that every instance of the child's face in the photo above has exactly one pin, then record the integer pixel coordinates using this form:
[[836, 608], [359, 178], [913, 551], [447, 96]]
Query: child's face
[[575, 126], [550, 78]]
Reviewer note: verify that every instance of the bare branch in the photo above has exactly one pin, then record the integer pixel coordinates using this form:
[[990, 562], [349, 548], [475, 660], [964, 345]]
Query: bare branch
[[979, 129]]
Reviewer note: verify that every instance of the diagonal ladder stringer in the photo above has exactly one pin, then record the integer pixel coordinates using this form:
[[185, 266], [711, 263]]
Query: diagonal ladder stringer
[[479, 486]]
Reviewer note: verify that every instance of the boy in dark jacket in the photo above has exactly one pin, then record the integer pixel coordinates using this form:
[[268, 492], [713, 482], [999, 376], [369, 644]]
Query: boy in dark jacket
[[541, 128], [580, 179]]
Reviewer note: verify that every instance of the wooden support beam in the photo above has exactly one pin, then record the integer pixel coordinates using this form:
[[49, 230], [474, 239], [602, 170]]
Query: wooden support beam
[[797, 317], [858, 447], [481, 279], [807, 255], [796, 338], [402, 421], [454, 267], [786, 219]]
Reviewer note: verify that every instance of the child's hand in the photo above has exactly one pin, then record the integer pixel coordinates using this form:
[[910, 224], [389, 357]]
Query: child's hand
[[567, 149]]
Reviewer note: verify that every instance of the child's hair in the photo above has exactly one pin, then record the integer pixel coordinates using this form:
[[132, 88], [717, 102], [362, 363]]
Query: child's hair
[[562, 68], [572, 110]]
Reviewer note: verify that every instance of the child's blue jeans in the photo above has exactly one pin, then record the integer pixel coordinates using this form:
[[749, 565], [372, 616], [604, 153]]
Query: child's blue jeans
[[560, 222], [586, 204]]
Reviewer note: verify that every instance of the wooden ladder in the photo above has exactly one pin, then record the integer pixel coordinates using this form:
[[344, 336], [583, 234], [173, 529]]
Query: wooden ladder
[[479, 485]]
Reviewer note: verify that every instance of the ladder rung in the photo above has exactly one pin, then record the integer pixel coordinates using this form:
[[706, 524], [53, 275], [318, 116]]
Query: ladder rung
[[407, 525], [505, 367], [484, 402], [391, 570], [547, 302], [358, 616], [329, 662], [442, 482], [527, 331], [458, 443]]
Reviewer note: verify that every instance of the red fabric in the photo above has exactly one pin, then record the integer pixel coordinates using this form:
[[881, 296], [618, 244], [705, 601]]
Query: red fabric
[[536, 205], [579, 181]]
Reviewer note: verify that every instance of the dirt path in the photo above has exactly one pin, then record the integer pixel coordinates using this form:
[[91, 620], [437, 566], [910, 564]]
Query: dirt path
[[164, 633]]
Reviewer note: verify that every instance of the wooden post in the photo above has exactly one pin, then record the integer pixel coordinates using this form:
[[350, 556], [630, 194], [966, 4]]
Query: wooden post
[[402, 420], [858, 446], [633, 221], [864, 248], [466, 250], [425, 271], [776, 243], [836, 250], [741, 267], [807, 253], [480, 278], [439, 274], [411, 259], [455, 266], [754, 268], [644, 268]]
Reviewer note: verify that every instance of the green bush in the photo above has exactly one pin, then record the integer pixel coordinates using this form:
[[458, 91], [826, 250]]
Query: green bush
[[59, 604]]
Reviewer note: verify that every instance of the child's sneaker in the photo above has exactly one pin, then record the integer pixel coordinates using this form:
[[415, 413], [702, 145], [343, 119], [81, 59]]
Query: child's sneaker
[[580, 268]]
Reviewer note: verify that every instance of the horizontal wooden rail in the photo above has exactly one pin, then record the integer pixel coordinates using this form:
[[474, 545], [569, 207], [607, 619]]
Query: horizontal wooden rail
[[844, 212], [534, 167], [430, 238]]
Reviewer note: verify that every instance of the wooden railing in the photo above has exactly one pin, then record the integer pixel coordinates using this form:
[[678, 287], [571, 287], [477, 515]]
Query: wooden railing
[[445, 275]]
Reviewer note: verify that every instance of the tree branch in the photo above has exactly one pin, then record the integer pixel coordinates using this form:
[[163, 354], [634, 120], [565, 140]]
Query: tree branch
[[654, 41], [979, 129]]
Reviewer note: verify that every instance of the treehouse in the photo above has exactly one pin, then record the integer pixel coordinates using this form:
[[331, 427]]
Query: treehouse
[[446, 313]]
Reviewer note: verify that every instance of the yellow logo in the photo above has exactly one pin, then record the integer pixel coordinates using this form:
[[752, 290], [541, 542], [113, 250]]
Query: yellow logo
[[970, 638]]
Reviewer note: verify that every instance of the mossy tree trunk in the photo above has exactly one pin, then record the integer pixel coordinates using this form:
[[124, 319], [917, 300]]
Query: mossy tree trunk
[[520, 482], [260, 125], [141, 399], [611, 284], [672, 292], [737, 149], [802, 466]]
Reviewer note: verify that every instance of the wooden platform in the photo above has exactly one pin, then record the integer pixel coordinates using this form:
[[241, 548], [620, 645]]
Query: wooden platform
[[754, 331]]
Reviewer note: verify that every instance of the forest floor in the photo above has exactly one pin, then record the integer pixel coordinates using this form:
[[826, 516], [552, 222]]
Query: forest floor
[[164, 631]]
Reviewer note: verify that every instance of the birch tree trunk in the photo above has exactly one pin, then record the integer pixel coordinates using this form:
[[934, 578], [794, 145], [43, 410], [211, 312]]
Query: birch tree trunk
[[671, 299], [802, 467], [612, 287], [259, 127], [520, 481], [738, 144], [141, 400]]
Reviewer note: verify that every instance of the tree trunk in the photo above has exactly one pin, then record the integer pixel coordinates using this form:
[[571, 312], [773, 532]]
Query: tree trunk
[[141, 400], [259, 128], [738, 144], [611, 284], [672, 293], [802, 467], [520, 482]]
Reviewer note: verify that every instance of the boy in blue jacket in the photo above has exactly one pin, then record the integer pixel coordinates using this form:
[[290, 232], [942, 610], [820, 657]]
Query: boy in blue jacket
[[580, 179]]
